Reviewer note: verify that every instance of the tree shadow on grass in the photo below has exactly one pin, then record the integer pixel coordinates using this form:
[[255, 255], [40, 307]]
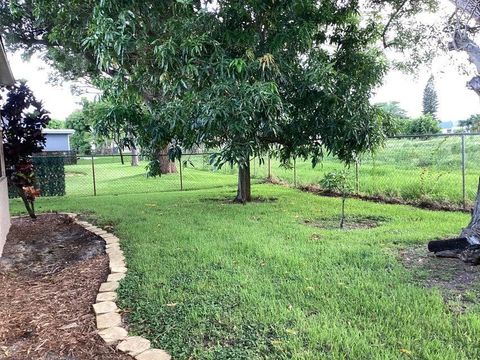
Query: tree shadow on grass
[[231, 200]]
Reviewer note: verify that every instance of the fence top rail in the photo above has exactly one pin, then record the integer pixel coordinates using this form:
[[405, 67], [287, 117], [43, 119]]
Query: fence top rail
[[141, 155], [434, 135]]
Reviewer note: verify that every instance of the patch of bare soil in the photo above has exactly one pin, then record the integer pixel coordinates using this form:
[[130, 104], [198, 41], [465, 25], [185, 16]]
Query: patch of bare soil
[[457, 281], [350, 222], [49, 277]]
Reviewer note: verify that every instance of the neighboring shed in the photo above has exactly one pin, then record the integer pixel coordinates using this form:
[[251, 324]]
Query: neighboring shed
[[6, 78], [449, 127], [57, 139]]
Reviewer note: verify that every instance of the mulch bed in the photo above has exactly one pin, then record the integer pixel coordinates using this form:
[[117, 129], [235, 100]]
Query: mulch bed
[[50, 273]]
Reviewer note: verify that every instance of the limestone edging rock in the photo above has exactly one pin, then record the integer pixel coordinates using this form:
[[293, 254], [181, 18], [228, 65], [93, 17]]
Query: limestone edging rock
[[109, 321]]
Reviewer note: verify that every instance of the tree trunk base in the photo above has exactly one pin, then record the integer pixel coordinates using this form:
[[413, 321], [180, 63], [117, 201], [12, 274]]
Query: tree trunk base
[[166, 166], [471, 255], [135, 158], [467, 246], [456, 248], [244, 191]]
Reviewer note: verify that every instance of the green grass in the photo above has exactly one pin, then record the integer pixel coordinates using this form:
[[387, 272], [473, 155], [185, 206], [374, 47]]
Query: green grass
[[212, 280]]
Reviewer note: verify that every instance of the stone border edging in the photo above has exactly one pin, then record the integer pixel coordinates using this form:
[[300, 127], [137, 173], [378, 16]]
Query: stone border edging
[[109, 320]]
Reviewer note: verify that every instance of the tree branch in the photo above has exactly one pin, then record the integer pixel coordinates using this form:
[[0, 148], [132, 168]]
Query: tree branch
[[387, 26]]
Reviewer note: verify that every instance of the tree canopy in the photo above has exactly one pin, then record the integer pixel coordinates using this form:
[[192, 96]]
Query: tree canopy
[[394, 109], [82, 139], [248, 77], [56, 124], [121, 122], [422, 125], [472, 124], [240, 77]]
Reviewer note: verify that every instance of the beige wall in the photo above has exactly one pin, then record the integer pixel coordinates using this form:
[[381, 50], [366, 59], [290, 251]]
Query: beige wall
[[4, 213]]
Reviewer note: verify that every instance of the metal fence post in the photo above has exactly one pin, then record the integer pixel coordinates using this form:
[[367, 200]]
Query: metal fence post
[[464, 184], [93, 177], [357, 181], [294, 172], [181, 175], [269, 165]]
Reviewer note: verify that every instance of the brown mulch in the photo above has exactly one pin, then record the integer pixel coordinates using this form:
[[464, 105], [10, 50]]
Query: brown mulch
[[50, 273]]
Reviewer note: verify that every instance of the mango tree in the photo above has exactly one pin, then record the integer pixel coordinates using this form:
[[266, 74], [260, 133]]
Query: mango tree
[[244, 78], [241, 78]]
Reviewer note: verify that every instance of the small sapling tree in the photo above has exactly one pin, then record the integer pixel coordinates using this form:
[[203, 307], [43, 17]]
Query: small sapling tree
[[338, 182], [22, 120]]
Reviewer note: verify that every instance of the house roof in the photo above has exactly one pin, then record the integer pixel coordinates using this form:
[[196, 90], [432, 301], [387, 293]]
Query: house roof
[[58, 131], [6, 76]]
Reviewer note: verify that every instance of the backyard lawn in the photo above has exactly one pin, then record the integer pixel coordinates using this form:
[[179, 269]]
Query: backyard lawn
[[276, 279]]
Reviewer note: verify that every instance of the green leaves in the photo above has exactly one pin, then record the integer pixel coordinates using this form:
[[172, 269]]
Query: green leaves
[[239, 65], [242, 78]]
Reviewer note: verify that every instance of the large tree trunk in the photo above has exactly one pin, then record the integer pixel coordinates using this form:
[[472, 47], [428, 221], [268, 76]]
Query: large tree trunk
[[472, 231], [469, 6], [244, 192], [166, 166], [135, 157], [461, 41]]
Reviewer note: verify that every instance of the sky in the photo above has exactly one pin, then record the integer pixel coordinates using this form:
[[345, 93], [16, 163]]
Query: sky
[[58, 100], [456, 102]]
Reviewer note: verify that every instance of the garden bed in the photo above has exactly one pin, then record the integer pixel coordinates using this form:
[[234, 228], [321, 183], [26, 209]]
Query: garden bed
[[50, 273]]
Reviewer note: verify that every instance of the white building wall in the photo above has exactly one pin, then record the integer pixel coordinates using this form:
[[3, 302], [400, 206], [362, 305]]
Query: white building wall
[[4, 213], [6, 78]]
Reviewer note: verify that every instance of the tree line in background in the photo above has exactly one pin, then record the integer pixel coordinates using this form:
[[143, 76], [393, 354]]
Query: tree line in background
[[428, 122]]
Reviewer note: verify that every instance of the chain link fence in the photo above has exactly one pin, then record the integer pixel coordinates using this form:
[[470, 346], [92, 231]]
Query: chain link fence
[[441, 169]]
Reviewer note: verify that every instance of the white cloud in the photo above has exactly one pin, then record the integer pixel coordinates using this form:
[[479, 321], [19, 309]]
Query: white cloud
[[58, 100]]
